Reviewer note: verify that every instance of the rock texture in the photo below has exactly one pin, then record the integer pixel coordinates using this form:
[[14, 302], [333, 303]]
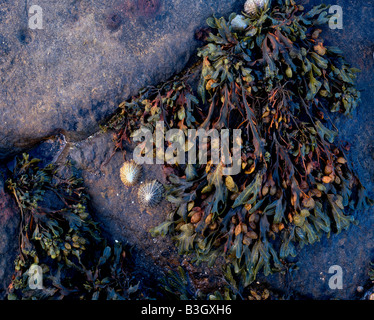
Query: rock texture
[[89, 56], [71, 75], [9, 225]]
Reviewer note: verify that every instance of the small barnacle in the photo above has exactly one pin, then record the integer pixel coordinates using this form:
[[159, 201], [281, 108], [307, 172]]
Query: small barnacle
[[130, 173], [150, 194]]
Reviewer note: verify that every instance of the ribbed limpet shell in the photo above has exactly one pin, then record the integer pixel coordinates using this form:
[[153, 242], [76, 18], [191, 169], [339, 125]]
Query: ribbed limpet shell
[[151, 193], [130, 173]]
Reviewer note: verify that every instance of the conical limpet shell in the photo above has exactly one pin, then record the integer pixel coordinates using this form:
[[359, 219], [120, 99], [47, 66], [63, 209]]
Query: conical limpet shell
[[130, 173], [151, 193]]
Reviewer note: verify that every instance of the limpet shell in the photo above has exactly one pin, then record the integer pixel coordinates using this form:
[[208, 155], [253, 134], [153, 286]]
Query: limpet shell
[[130, 173], [151, 193]]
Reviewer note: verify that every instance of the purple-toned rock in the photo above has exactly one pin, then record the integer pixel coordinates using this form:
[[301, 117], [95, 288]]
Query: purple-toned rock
[[9, 231], [90, 56]]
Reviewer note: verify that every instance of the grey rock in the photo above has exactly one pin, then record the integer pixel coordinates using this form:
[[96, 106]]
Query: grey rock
[[89, 57], [9, 230]]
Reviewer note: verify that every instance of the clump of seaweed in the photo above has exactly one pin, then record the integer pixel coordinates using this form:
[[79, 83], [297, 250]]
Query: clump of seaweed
[[277, 82], [178, 285], [371, 272], [173, 102], [64, 242]]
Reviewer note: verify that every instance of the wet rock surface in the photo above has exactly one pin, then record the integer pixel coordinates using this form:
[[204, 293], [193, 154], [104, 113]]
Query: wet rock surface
[[9, 230], [116, 207], [70, 76], [75, 107]]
